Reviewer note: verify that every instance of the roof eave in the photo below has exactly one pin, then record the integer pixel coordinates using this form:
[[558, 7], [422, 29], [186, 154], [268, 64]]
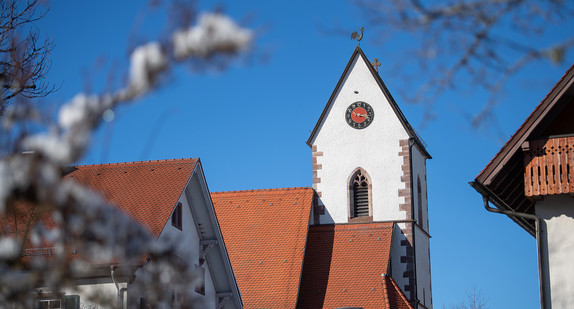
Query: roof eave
[[406, 125], [565, 84]]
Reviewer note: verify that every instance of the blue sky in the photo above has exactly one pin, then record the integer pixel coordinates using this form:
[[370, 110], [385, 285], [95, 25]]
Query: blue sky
[[249, 123]]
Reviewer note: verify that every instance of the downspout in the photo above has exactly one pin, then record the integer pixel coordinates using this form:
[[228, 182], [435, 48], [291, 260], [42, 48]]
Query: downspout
[[486, 195], [120, 292]]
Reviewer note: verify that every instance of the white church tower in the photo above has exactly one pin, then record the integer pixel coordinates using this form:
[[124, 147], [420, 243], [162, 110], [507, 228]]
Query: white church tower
[[369, 165]]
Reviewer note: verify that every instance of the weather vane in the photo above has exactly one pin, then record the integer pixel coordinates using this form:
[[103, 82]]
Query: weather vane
[[376, 64], [356, 36]]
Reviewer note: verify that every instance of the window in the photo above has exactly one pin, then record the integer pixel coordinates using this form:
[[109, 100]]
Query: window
[[360, 195], [57, 301], [176, 216]]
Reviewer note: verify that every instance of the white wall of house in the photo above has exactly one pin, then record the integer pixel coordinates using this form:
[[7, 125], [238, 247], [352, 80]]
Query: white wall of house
[[557, 211], [187, 242], [94, 295], [375, 149]]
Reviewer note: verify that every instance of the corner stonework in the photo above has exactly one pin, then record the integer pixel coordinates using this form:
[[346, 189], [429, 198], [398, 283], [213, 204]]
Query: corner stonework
[[318, 209]]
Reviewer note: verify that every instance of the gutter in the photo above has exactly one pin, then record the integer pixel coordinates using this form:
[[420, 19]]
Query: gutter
[[490, 197]]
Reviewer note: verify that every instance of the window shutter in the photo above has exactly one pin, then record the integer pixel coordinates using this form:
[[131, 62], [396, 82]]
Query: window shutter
[[360, 187], [361, 199]]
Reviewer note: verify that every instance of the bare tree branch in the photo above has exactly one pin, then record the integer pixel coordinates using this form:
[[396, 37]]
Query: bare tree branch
[[24, 55], [478, 42]]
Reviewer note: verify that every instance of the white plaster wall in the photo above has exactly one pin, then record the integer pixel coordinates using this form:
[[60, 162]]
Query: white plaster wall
[[375, 149], [398, 268], [422, 239], [558, 245], [419, 167], [422, 255], [188, 247], [96, 294]]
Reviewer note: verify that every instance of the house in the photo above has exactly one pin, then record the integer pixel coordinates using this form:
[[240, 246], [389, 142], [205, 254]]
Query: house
[[531, 180], [171, 200]]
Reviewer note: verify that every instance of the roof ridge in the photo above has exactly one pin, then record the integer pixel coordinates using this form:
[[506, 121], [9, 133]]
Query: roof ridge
[[261, 190], [139, 162]]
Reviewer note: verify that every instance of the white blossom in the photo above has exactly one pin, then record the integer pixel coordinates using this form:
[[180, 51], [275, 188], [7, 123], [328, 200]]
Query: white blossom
[[215, 33], [9, 248], [146, 63]]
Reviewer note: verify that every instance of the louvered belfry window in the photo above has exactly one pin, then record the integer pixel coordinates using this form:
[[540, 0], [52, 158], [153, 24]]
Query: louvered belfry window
[[360, 195]]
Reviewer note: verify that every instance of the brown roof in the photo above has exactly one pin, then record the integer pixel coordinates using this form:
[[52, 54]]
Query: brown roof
[[265, 233], [345, 265], [502, 178]]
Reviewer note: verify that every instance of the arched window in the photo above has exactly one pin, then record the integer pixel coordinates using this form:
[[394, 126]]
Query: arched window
[[360, 195]]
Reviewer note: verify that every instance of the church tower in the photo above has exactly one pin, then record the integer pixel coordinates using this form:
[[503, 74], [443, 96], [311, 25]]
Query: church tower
[[369, 165]]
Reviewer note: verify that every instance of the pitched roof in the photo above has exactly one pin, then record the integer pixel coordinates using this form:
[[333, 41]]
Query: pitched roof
[[147, 191], [265, 233], [408, 128], [502, 178], [344, 264]]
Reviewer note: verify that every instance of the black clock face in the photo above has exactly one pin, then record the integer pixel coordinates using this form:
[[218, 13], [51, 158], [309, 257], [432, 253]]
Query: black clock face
[[359, 115]]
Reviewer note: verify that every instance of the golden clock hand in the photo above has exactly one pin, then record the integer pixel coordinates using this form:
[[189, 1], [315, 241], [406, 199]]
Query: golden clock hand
[[361, 115]]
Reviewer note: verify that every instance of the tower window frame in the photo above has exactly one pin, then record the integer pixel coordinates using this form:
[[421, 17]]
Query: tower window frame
[[360, 196]]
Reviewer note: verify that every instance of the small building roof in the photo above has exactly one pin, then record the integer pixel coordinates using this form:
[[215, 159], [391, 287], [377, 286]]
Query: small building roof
[[503, 177], [265, 232], [147, 191], [346, 265]]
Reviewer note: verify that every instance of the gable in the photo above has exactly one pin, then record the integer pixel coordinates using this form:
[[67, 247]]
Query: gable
[[344, 264], [265, 233], [503, 177], [359, 71], [147, 191]]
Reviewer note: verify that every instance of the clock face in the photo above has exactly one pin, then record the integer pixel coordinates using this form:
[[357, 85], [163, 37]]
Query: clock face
[[359, 115]]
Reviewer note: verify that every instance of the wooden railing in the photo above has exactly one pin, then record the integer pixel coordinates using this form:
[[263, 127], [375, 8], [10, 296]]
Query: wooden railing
[[549, 166]]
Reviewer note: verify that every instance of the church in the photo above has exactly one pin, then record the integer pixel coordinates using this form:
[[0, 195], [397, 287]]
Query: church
[[358, 238]]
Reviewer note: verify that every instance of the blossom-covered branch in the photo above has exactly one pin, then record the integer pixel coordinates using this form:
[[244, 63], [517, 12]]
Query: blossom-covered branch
[[33, 174]]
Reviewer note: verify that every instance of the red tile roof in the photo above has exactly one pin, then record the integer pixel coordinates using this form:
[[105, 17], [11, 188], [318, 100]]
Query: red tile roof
[[147, 191], [393, 296], [265, 233], [344, 264]]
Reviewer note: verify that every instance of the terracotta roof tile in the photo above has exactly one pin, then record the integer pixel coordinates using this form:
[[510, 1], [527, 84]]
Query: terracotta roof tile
[[343, 266], [147, 190], [265, 233], [393, 296]]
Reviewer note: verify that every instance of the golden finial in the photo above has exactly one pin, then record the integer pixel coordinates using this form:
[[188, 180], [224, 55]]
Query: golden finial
[[356, 36]]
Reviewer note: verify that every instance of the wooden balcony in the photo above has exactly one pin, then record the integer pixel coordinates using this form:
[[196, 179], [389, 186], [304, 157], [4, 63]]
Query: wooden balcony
[[549, 166]]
